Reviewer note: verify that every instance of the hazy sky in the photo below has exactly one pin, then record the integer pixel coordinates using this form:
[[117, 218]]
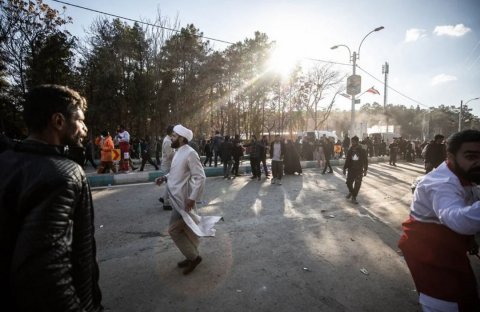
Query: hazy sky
[[432, 46]]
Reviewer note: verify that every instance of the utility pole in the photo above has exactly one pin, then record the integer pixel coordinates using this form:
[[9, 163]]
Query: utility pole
[[385, 70], [352, 118]]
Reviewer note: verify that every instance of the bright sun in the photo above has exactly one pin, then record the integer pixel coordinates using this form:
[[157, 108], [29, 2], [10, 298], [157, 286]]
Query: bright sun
[[283, 60]]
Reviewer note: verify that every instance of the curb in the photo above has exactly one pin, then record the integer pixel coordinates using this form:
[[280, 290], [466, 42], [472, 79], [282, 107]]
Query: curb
[[100, 180]]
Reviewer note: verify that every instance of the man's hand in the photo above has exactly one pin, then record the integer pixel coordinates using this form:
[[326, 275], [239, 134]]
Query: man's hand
[[189, 205], [160, 180]]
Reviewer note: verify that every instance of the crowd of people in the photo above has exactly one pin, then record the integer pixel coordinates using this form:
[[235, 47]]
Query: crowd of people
[[48, 249]]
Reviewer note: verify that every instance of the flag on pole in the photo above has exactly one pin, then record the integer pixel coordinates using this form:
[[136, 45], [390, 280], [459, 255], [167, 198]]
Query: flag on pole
[[373, 90], [345, 95]]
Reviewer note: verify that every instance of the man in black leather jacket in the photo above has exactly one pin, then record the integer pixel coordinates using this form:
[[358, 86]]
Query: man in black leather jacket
[[47, 246]]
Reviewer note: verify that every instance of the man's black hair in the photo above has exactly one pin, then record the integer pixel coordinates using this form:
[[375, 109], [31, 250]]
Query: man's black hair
[[45, 100], [455, 141], [355, 138], [439, 136], [170, 129]]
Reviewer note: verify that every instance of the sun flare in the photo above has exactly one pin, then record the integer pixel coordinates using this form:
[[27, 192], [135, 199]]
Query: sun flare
[[283, 60]]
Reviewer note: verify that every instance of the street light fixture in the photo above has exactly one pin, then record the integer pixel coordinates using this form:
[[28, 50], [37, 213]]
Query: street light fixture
[[353, 58], [461, 112]]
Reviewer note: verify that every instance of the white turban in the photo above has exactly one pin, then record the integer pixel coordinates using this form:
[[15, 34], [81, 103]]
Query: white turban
[[184, 132]]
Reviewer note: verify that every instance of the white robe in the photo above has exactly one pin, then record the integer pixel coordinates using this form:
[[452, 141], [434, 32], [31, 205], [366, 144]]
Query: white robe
[[186, 180]]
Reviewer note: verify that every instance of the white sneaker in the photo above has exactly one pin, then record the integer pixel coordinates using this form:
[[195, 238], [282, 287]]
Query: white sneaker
[[279, 182]]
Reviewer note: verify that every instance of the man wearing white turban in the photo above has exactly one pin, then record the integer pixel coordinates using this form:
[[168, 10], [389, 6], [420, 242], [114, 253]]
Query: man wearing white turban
[[185, 184]]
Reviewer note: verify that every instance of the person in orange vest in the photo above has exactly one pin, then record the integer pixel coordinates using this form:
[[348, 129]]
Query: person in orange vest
[[106, 160]]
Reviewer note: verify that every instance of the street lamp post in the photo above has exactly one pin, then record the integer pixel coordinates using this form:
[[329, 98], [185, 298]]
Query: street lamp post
[[460, 114], [353, 58]]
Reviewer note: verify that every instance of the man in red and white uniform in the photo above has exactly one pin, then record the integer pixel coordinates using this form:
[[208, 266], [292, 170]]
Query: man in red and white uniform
[[444, 217]]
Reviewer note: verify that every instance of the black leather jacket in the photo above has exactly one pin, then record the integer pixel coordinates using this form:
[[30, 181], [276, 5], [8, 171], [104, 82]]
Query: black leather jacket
[[47, 246]]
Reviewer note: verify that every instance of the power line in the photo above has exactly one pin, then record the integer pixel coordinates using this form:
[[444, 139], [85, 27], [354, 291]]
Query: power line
[[228, 42], [174, 30], [389, 87], [137, 21], [324, 61]]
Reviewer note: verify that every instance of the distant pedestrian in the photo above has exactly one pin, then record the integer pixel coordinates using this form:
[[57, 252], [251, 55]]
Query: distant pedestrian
[[393, 153], [328, 152], [256, 150], [106, 158], [207, 150], [435, 153], [263, 156], [123, 139], [217, 141], [277, 153], [145, 146], [89, 150], [226, 154], [356, 163], [345, 144], [237, 155], [185, 184], [167, 156], [292, 159]]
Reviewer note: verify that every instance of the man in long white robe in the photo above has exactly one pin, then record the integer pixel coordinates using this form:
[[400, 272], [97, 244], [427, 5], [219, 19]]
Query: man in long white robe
[[185, 184]]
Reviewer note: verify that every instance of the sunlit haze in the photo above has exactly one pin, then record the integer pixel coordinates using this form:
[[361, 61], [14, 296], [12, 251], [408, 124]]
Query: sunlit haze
[[432, 46]]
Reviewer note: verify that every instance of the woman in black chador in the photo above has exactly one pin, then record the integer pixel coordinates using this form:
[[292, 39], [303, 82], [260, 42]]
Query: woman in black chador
[[291, 160]]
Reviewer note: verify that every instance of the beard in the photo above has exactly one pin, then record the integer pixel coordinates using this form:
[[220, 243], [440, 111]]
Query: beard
[[73, 140], [175, 144], [472, 174]]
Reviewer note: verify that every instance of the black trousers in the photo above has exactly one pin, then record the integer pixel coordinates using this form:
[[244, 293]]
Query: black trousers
[[327, 164], [208, 158], [236, 164], [145, 159], [255, 164], [277, 169], [90, 159], [354, 181], [393, 158], [264, 163]]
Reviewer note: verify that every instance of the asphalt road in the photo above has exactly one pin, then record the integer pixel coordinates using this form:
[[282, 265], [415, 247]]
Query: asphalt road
[[300, 246]]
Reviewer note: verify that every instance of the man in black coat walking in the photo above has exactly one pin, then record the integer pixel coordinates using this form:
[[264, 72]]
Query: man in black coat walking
[[356, 163], [435, 154]]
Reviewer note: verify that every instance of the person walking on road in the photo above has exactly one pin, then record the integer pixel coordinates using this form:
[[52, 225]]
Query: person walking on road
[[123, 138], [237, 154], [186, 182], [106, 159], [263, 156], [167, 156], [256, 150], [207, 149], [356, 162], [145, 146], [216, 142], [328, 152], [277, 152], [47, 244], [444, 218], [226, 154], [291, 160], [435, 153], [393, 153]]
